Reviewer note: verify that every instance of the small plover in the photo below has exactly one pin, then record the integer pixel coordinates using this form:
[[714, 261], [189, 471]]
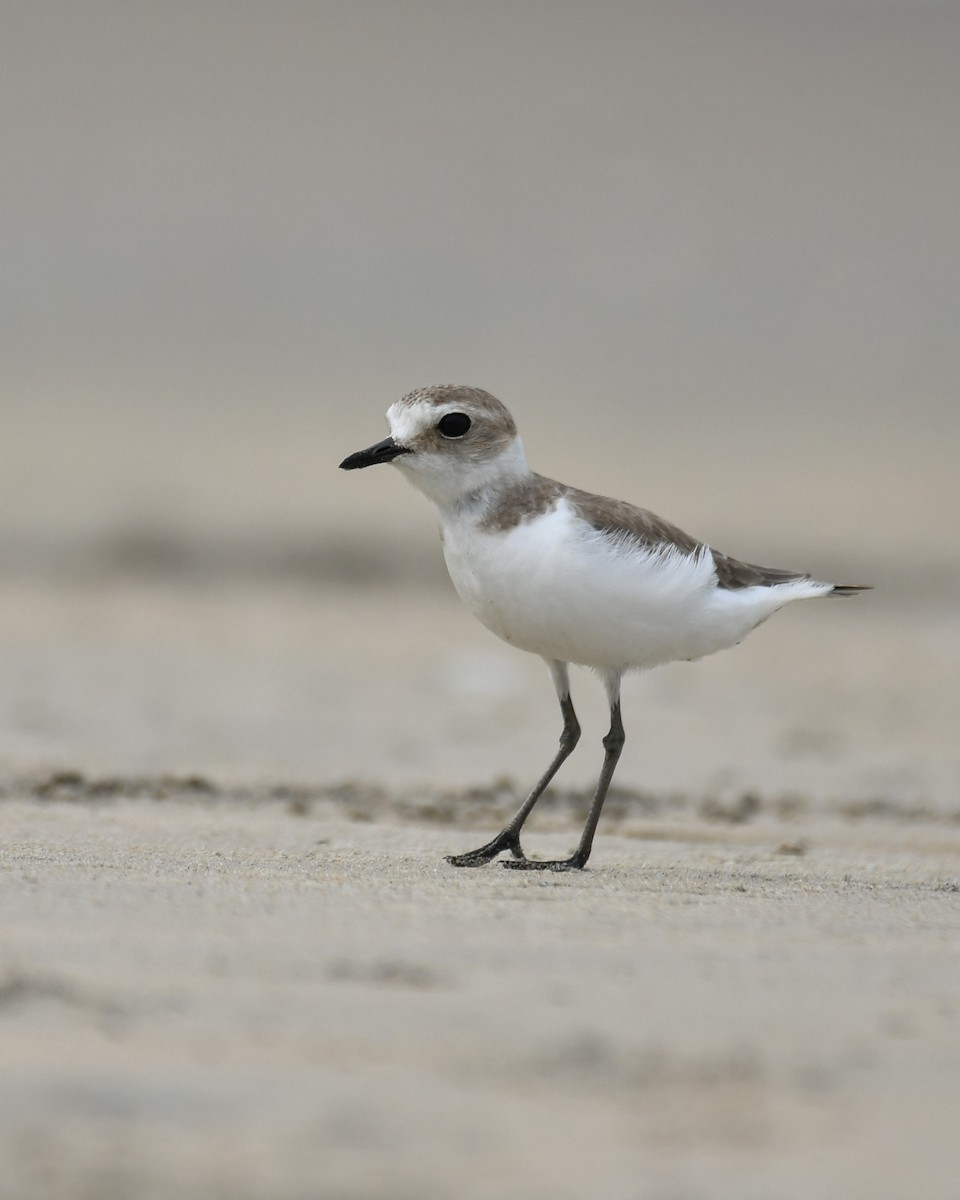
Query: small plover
[[570, 576]]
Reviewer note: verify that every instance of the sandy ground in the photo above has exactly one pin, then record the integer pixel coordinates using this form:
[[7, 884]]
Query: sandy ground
[[250, 996], [707, 255], [234, 963]]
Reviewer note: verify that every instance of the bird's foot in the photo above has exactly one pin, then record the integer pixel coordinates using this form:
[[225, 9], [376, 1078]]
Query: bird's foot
[[505, 840], [576, 862]]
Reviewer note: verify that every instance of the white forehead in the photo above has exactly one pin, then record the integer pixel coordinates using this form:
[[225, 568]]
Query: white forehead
[[408, 418]]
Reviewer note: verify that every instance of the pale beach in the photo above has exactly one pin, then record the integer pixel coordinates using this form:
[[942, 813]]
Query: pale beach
[[706, 254]]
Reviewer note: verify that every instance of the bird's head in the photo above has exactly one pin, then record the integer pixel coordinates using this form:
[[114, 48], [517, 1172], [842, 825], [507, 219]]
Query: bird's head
[[449, 441]]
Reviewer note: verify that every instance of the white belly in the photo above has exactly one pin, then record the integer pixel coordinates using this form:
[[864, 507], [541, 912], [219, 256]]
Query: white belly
[[559, 589]]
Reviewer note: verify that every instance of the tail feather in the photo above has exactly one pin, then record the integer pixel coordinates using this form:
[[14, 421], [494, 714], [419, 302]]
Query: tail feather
[[850, 589]]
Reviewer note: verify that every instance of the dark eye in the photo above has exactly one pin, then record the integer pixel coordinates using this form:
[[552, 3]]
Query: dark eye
[[454, 425]]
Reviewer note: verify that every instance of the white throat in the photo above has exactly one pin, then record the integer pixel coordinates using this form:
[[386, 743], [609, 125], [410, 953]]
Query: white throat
[[454, 483]]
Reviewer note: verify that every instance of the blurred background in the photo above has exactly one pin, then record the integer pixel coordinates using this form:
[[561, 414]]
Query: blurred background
[[706, 251]]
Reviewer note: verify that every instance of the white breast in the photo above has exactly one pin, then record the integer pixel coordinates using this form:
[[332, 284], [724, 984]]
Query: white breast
[[556, 587]]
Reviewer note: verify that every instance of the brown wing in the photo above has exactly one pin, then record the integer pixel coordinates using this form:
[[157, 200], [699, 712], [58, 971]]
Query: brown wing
[[733, 574], [620, 519]]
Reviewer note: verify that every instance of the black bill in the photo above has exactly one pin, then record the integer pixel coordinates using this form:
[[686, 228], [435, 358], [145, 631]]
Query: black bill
[[383, 452]]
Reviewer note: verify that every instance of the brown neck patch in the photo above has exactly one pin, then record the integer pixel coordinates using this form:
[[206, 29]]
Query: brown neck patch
[[521, 501]]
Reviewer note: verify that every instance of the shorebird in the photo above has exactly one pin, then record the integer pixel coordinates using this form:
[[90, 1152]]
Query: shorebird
[[570, 576]]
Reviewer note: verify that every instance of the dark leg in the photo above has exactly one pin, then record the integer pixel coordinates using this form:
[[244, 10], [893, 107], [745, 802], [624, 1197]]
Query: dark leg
[[509, 837], [612, 745]]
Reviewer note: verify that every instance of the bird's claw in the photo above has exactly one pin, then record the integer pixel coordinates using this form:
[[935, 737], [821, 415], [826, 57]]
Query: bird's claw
[[574, 863], [484, 854]]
